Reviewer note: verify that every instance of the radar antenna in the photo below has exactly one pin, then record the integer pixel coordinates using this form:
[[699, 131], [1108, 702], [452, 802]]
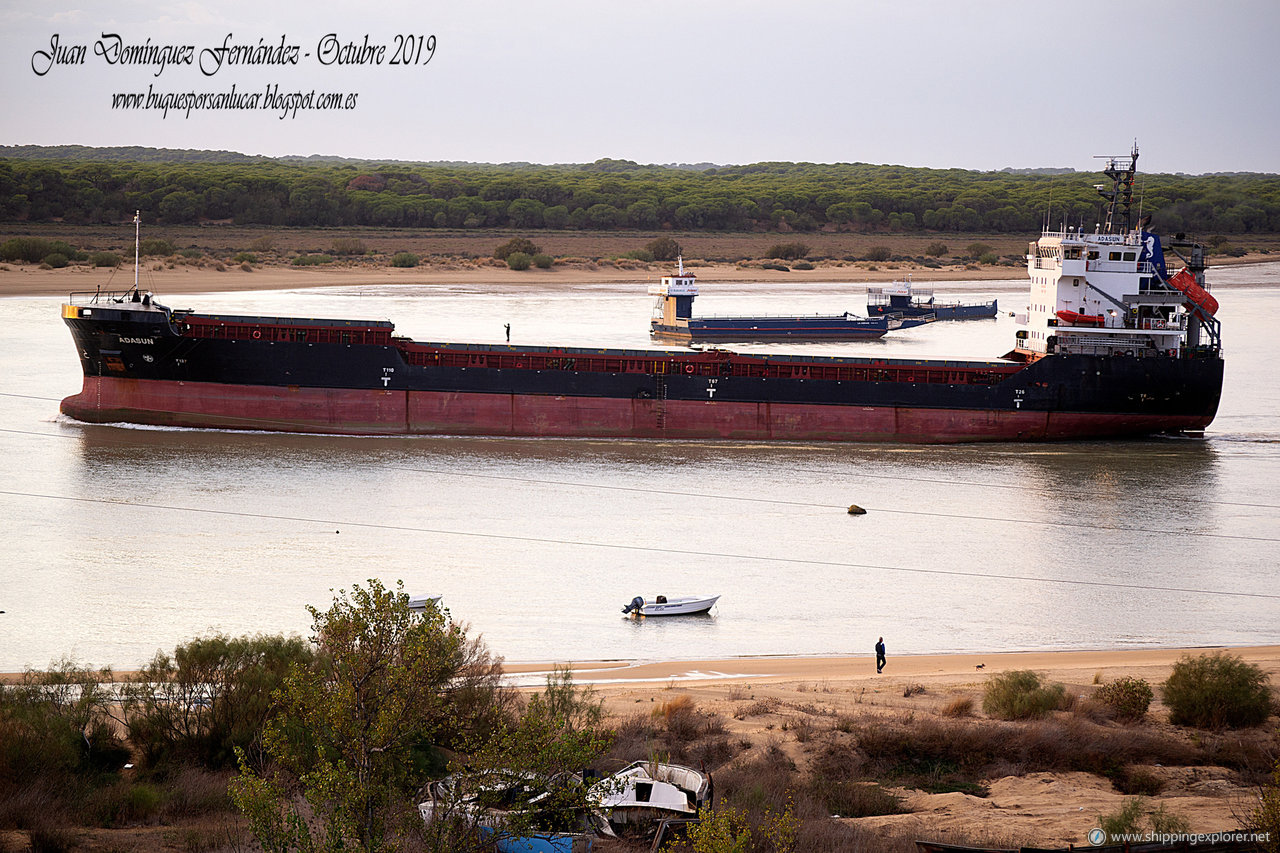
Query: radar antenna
[[1120, 170]]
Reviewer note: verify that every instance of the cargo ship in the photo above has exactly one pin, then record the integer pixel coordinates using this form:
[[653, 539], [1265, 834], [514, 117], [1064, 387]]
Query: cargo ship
[[673, 320], [1113, 345], [903, 299]]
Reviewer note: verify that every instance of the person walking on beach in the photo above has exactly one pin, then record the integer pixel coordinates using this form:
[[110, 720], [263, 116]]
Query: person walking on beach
[[880, 659]]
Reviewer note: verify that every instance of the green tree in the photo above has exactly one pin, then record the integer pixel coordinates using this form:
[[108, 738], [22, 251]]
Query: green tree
[[352, 730], [180, 206], [212, 696], [56, 724]]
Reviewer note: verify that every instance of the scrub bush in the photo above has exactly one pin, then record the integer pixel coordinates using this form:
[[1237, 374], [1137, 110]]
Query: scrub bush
[[1217, 691], [516, 244], [1019, 695], [1127, 697]]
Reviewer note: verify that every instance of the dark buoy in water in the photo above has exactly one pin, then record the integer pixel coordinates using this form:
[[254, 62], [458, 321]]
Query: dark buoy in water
[[854, 509]]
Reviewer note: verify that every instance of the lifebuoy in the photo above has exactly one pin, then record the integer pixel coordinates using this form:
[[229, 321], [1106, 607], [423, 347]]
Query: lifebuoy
[[688, 368], [257, 333]]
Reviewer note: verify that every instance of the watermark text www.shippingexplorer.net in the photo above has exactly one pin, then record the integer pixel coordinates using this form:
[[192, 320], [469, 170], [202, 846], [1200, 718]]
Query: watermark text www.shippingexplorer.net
[[1097, 836], [284, 104]]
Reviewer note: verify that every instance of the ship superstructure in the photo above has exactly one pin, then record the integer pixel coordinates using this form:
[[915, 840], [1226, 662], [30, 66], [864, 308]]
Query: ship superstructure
[[1109, 292]]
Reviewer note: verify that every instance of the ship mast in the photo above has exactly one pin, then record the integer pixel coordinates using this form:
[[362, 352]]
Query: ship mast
[[137, 245], [1121, 171]]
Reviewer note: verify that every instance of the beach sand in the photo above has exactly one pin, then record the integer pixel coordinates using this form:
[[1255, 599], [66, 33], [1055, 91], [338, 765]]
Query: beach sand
[[30, 280]]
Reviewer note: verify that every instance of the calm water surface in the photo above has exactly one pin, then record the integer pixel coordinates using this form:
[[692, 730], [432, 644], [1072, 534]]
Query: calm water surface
[[118, 542]]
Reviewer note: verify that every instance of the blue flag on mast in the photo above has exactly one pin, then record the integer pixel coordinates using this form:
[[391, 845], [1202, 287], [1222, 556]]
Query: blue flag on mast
[[1153, 253]]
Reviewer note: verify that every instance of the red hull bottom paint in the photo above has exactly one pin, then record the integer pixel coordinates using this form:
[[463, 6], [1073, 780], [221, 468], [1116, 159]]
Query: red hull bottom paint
[[383, 412]]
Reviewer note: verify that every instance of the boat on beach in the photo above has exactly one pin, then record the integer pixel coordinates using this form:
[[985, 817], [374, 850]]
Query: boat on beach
[[646, 792], [1154, 365], [676, 605]]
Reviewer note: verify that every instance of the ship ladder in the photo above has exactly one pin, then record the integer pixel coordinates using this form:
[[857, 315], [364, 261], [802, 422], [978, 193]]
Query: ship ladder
[[661, 398]]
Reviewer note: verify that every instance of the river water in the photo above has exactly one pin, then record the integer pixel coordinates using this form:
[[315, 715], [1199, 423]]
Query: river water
[[118, 542]]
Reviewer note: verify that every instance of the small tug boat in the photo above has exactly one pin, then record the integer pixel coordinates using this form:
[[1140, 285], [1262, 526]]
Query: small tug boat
[[673, 320], [903, 299]]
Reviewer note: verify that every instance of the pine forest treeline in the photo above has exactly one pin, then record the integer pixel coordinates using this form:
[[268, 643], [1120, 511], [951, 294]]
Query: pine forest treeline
[[81, 187]]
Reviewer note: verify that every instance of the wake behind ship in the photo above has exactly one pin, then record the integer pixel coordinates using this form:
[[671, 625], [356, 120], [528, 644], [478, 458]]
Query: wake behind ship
[[1114, 345]]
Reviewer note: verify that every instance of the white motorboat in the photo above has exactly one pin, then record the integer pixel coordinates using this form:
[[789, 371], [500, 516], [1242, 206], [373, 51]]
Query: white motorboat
[[420, 602], [675, 605]]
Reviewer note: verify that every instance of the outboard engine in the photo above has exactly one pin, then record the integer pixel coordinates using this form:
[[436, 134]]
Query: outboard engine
[[636, 604]]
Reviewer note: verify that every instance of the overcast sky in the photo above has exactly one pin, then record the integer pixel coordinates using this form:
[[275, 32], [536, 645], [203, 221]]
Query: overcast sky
[[979, 84]]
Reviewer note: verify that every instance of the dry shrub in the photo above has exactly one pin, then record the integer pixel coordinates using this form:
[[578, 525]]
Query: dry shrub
[[348, 246], [764, 782], [675, 707], [1094, 711], [686, 736], [940, 754], [801, 727], [838, 758], [683, 720], [38, 803], [193, 791], [1253, 753], [125, 803], [758, 709], [1132, 780], [738, 693], [848, 798], [829, 836], [959, 706], [52, 839], [913, 690]]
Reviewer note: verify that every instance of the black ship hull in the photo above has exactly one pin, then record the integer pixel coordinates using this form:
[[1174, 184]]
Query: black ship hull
[[149, 365]]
